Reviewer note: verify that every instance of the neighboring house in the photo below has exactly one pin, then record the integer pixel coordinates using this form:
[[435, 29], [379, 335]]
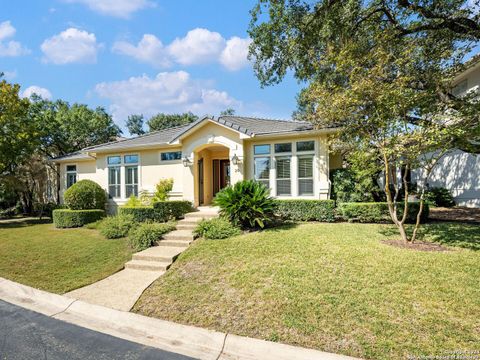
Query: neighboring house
[[291, 158], [459, 171]]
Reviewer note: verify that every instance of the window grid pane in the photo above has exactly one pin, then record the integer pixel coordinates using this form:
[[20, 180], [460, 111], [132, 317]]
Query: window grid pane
[[114, 182], [173, 155], [305, 175], [130, 159], [306, 146], [283, 176], [283, 148], [262, 168], [114, 160], [261, 149], [131, 181]]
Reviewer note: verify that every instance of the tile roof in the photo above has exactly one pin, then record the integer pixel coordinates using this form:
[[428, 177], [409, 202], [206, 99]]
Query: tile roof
[[250, 126], [73, 156]]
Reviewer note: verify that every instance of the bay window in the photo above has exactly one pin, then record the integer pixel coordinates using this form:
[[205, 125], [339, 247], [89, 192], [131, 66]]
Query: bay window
[[122, 170]]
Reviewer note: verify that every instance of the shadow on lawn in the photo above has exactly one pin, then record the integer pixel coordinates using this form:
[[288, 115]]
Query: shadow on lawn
[[20, 223], [445, 233]]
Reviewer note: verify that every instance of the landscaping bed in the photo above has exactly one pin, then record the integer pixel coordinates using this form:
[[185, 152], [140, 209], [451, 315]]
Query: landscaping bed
[[334, 287], [35, 253]]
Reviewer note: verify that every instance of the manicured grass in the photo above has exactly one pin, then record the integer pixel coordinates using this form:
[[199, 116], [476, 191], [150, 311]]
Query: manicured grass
[[333, 287], [34, 253]]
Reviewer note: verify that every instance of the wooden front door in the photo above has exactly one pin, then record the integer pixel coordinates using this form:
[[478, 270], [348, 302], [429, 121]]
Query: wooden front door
[[221, 175], [201, 181]]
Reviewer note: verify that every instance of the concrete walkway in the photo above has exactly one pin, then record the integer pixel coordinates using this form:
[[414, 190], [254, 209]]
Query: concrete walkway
[[176, 338], [121, 291]]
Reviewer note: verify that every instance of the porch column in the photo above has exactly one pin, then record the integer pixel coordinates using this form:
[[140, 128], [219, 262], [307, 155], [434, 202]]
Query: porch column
[[322, 174]]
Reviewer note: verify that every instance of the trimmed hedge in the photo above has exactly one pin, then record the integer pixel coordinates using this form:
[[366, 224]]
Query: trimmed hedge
[[140, 213], [145, 235], [85, 195], [115, 227], [166, 210], [378, 212], [66, 218], [306, 210]]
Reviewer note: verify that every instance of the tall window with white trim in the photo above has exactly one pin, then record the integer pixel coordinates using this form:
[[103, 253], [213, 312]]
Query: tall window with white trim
[[71, 175], [284, 184], [114, 186], [262, 164], [305, 156], [131, 175]]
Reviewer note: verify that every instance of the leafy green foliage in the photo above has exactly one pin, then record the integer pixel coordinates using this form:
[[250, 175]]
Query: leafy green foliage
[[439, 196], [306, 210], [246, 204], [162, 189], [139, 213], [378, 212], [145, 235], [85, 195], [134, 125], [18, 133], [170, 210], [115, 227], [133, 201], [165, 121], [66, 218], [217, 228]]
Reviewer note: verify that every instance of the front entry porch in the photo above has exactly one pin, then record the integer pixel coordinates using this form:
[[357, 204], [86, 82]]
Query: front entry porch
[[211, 173]]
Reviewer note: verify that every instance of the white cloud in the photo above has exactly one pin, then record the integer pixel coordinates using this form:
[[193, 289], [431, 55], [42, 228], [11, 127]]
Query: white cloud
[[42, 92], [198, 46], [234, 55], [149, 50], [169, 92], [116, 8], [71, 46], [9, 75], [10, 48]]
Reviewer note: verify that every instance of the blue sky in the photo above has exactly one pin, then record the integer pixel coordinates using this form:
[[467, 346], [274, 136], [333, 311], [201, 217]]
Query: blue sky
[[138, 56]]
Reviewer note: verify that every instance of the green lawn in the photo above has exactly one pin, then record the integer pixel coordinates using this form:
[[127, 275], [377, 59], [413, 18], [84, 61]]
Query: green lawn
[[34, 253], [333, 287]]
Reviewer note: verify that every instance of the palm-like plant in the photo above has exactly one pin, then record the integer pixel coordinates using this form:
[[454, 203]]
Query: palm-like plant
[[247, 204]]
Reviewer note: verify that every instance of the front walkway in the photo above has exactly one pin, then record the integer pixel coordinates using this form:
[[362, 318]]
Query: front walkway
[[121, 291]]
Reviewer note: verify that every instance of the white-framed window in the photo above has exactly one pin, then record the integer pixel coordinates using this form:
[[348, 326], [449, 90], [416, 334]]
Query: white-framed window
[[284, 183], [262, 170], [291, 164], [114, 184], [171, 156], [305, 175], [71, 174], [128, 165]]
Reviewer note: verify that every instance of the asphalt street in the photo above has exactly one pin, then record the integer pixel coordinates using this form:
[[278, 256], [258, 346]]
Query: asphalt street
[[26, 335]]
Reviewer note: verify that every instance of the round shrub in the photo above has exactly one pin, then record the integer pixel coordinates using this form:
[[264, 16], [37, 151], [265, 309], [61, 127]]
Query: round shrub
[[66, 218], [216, 229], [85, 195], [246, 204], [115, 227], [439, 196], [145, 235]]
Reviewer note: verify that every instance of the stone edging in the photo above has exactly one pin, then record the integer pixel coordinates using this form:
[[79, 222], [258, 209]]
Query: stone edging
[[186, 340]]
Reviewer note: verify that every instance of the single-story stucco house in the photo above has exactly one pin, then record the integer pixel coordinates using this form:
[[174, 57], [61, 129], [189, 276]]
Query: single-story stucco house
[[291, 157]]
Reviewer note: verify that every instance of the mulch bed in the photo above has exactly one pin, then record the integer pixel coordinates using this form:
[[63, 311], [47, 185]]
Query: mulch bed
[[417, 245], [456, 214]]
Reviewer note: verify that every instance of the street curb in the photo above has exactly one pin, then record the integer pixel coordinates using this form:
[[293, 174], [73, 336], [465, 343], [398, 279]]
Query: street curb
[[182, 339]]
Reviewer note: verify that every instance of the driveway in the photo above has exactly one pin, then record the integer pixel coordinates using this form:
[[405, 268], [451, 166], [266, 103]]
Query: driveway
[[25, 335]]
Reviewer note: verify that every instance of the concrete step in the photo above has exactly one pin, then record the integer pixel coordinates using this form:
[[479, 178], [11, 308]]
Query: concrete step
[[186, 226], [148, 265], [200, 215], [159, 254], [190, 221], [174, 243], [179, 235]]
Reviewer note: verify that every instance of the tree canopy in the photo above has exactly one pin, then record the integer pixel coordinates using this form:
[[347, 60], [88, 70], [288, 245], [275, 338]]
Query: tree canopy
[[165, 121], [382, 71], [134, 125]]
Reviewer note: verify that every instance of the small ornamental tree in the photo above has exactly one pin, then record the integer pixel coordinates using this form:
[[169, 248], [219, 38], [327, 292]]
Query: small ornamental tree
[[380, 71], [85, 195]]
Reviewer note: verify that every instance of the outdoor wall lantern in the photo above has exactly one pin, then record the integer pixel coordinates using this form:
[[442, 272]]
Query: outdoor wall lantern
[[235, 160], [186, 161]]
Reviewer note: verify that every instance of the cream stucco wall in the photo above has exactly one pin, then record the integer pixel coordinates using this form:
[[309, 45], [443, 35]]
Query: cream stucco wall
[[208, 141]]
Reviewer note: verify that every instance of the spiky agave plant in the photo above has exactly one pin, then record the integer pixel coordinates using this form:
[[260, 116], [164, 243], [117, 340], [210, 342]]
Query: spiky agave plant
[[247, 204]]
